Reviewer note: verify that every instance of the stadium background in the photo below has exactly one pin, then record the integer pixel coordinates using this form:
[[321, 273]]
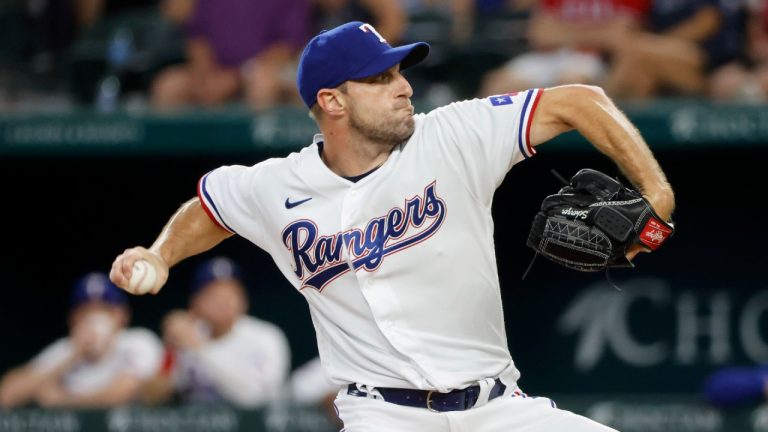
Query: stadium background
[[80, 186]]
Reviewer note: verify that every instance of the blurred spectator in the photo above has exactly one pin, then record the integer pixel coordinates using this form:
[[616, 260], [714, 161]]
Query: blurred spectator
[[34, 35], [568, 39], [237, 48], [465, 14], [688, 39], [746, 79], [310, 386], [387, 16], [100, 363], [440, 11], [89, 12], [735, 386], [216, 352], [177, 11], [53, 24]]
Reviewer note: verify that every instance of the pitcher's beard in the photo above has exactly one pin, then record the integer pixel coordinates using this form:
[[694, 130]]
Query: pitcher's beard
[[389, 133]]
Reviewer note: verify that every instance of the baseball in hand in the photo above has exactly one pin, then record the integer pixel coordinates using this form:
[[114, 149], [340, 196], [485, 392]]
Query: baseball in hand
[[143, 278]]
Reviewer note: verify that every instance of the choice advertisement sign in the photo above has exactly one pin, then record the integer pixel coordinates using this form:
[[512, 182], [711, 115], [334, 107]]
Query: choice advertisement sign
[[652, 336]]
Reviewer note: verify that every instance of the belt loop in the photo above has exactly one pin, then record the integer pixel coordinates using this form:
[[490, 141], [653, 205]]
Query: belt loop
[[485, 390], [509, 378], [370, 391]]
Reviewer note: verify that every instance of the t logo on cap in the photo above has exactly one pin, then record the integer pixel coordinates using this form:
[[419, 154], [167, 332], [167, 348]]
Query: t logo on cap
[[348, 52], [369, 28]]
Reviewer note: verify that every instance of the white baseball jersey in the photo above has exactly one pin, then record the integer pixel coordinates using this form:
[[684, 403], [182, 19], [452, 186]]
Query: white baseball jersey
[[309, 383], [137, 352], [399, 268], [247, 366]]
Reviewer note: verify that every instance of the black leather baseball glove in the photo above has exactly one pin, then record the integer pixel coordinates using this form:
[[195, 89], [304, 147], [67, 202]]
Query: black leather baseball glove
[[590, 224]]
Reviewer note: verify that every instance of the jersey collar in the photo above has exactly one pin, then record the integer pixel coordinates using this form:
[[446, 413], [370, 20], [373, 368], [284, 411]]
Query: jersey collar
[[316, 173]]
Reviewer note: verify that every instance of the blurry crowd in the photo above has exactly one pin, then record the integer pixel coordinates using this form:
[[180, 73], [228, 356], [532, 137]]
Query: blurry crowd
[[171, 54], [211, 352]]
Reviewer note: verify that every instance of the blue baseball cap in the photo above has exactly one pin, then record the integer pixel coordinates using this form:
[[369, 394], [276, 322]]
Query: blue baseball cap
[[354, 50], [96, 287], [218, 268]]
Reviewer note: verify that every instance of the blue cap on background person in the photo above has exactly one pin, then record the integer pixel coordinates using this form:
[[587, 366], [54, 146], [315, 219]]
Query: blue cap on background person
[[218, 268], [350, 51], [96, 287], [732, 386]]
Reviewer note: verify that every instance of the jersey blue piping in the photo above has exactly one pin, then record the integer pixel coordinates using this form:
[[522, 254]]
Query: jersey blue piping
[[522, 123], [208, 197]]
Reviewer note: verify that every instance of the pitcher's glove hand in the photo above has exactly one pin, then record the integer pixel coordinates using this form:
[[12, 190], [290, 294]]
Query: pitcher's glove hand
[[590, 224]]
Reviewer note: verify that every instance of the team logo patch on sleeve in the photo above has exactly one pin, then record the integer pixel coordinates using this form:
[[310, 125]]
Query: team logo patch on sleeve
[[502, 99]]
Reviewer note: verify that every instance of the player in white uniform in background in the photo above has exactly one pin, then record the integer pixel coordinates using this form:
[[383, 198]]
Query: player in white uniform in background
[[101, 363], [310, 385], [384, 225], [216, 352]]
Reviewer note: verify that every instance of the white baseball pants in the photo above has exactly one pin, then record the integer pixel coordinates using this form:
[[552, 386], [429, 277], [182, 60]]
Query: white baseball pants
[[503, 414]]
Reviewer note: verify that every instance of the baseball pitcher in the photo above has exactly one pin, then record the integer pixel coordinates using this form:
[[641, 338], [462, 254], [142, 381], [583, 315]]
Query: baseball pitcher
[[374, 221]]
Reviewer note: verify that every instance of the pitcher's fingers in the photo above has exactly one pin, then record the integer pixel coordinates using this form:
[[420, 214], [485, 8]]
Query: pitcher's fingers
[[116, 274], [130, 256], [634, 250], [162, 278]]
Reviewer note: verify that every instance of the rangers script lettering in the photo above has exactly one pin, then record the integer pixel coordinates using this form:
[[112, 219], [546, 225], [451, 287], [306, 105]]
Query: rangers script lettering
[[321, 256]]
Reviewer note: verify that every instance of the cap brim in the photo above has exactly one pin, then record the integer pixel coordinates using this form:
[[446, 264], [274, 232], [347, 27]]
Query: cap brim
[[405, 55]]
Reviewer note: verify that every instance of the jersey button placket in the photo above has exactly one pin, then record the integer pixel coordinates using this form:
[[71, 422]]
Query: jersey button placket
[[348, 209]]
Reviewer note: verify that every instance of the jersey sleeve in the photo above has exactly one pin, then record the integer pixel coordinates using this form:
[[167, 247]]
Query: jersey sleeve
[[228, 196], [637, 9], [52, 355], [143, 354], [550, 6], [253, 374], [484, 138], [309, 383]]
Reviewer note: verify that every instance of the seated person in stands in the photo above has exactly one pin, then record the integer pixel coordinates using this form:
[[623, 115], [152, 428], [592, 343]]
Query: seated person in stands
[[236, 49], [100, 364], [746, 78], [217, 353], [569, 40], [88, 12], [686, 41], [389, 17], [465, 14], [309, 385]]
